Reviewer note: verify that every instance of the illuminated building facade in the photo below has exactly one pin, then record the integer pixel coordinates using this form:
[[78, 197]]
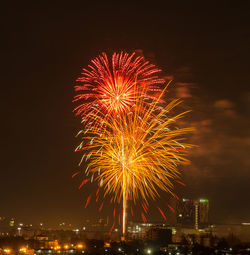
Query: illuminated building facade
[[202, 213]]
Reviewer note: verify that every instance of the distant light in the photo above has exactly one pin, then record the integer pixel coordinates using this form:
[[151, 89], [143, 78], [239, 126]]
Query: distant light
[[149, 251], [7, 251], [23, 249], [246, 223], [119, 249], [79, 246], [107, 244], [203, 200], [174, 231]]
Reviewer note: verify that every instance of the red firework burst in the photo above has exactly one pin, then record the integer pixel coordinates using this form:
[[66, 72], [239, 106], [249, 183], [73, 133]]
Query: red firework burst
[[113, 86]]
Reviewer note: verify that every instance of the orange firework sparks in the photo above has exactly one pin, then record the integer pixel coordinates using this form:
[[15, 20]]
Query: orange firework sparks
[[138, 153], [111, 229], [100, 208], [75, 174], [88, 200], [84, 182], [183, 184], [163, 215], [171, 208], [144, 219]]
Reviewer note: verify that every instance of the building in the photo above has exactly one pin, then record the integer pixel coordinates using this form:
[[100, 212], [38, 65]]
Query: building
[[185, 213], [161, 235], [193, 213], [138, 230], [201, 213]]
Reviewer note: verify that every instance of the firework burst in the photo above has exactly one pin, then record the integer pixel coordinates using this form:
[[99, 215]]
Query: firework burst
[[113, 86], [137, 155]]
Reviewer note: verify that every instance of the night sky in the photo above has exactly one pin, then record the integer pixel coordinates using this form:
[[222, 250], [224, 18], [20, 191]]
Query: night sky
[[203, 46]]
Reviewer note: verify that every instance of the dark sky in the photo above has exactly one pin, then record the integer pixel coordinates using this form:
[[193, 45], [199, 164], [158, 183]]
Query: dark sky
[[204, 45]]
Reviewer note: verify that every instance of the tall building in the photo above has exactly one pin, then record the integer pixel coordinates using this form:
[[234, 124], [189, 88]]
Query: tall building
[[185, 213], [193, 213], [202, 213]]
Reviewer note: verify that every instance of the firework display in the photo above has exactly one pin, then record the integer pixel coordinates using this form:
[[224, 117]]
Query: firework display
[[134, 153], [112, 86], [142, 147]]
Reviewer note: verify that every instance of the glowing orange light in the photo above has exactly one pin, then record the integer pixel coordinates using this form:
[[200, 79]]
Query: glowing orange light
[[80, 246]]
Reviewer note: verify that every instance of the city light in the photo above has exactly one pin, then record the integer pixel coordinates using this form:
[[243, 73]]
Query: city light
[[203, 200], [19, 230], [7, 251], [79, 246], [23, 249], [58, 247]]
